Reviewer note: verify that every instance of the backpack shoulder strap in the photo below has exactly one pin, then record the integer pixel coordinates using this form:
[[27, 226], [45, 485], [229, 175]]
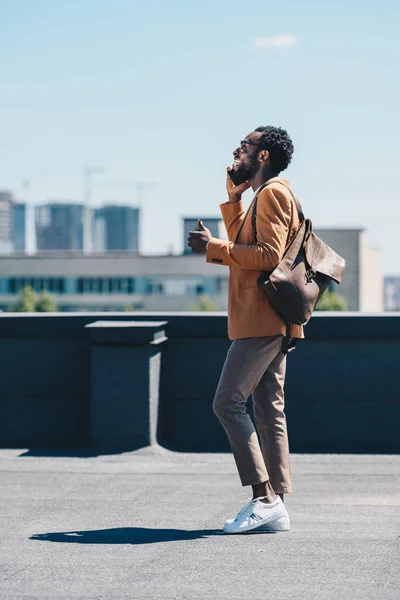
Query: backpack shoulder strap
[[254, 213]]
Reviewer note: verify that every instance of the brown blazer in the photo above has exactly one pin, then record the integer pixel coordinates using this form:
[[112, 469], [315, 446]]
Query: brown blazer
[[249, 311]]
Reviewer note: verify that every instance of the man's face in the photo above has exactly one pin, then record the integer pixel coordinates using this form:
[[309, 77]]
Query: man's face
[[245, 164]]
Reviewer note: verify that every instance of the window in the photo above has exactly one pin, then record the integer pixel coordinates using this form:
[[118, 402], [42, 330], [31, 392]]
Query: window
[[39, 284], [115, 285], [106, 285], [95, 285], [178, 286], [155, 287]]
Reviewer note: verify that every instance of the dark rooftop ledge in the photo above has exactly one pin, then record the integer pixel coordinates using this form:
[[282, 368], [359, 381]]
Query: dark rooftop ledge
[[61, 388], [127, 332], [322, 326]]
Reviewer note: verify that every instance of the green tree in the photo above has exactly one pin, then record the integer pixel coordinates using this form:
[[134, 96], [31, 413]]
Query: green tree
[[331, 301], [127, 308], [138, 306], [205, 305], [26, 302], [30, 302], [46, 302]]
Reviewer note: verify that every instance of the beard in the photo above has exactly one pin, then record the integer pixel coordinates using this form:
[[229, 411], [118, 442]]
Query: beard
[[244, 171]]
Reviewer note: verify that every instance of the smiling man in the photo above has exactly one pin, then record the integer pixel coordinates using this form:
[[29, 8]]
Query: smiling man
[[255, 364]]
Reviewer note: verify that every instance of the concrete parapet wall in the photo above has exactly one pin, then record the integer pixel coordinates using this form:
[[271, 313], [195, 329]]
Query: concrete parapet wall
[[342, 391]]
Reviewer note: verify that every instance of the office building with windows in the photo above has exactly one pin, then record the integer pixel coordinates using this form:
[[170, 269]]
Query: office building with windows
[[104, 281], [111, 282], [392, 293], [19, 227], [116, 228], [59, 226], [6, 222], [362, 285]]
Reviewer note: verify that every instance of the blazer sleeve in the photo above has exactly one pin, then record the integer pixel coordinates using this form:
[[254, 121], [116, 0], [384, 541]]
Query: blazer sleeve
[[232, 214], [274, 216]]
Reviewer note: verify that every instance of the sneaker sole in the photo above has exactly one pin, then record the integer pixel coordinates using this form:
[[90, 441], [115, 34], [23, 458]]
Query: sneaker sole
[[281, 524]]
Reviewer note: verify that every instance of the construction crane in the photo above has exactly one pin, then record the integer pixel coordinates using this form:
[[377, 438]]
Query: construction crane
[[138, 186]]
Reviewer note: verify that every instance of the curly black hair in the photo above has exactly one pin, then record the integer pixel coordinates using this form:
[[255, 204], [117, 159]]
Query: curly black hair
[[279, 145]]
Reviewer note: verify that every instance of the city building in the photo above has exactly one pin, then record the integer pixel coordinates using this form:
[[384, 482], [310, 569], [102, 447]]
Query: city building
[[98, 232], [392, 293], [6, 222], [59, 226], [116, 228], [19, 214], [113, 281], [362, 284], [104, 281], [215, 225]]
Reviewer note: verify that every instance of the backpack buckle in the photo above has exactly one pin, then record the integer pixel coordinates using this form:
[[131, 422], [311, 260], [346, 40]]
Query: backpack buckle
[[310, 275]]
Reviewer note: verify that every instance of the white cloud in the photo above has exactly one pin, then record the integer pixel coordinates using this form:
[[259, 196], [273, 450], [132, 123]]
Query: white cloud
[[276, 41]]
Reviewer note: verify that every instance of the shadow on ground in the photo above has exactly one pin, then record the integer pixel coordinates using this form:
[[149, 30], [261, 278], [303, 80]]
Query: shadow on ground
[[131, 535], [125, 535], [89, 451]]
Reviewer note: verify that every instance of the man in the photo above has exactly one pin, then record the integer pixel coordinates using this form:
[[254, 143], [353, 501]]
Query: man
[[255, 364]]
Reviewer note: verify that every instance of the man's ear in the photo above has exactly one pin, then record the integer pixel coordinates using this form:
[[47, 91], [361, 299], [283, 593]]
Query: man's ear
[[263, 156]]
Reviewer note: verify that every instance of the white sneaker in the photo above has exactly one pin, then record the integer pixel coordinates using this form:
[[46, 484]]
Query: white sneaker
[[260, 516]]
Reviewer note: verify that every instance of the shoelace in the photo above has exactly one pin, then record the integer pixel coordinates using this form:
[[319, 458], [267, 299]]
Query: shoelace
[[248, 501], [248, 507]]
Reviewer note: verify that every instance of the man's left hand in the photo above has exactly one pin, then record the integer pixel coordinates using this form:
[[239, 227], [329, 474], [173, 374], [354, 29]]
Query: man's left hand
[[197, 240]]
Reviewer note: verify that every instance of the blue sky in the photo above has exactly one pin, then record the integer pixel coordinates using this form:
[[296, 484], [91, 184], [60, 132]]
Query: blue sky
[[163, 91]]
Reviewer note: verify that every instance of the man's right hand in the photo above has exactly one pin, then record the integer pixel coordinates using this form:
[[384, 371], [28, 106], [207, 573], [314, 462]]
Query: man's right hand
[[235, 191]]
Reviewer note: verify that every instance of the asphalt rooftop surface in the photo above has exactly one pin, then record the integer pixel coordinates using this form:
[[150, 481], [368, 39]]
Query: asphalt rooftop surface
[[148, 524]]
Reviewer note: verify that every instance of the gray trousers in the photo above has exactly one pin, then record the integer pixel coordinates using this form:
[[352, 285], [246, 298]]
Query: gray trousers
[[256, 366]]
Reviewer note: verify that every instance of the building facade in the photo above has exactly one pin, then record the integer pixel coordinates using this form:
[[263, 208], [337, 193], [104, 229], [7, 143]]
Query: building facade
[[392, 293], [19, 214], [114, 282], [59, 226], [174, 283], [362, 284], [116, 228], [6, 222]]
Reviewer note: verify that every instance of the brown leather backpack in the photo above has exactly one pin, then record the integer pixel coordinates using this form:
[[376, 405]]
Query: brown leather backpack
[[305, 271]]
